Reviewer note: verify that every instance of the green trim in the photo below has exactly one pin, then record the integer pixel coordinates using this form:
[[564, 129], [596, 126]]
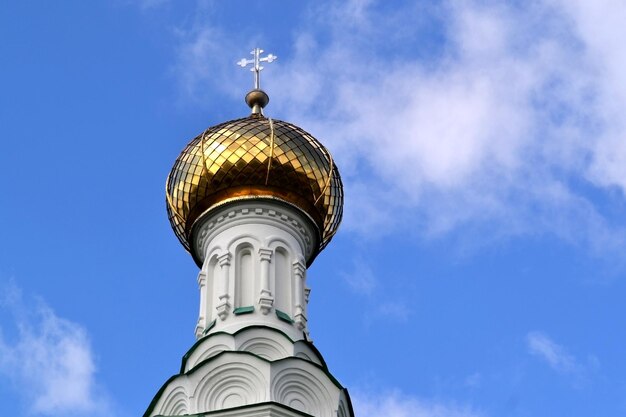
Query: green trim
[[316, 351], [209, 327], [284, 316], [245, 329], [323, 369], [243, 310], [157, 397], [238, 352], [350, 409]]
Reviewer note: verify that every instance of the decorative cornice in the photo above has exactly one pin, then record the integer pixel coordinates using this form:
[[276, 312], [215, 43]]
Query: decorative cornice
[[275, 333], [263, 211]]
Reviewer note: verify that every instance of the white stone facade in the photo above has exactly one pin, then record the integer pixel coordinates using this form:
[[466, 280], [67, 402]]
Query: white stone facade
[[254, 270], [253, 356], [255, 366]]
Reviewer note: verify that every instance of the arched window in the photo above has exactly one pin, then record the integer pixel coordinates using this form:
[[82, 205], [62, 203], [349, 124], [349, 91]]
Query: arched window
[[282, 281], [244, 277], [212, 275]]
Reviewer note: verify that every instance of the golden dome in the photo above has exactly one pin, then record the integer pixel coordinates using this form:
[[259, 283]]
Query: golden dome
[[254, 157]]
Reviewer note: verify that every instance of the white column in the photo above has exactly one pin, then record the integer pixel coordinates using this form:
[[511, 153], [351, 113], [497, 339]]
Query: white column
[[201, 316], [265, 299], [299, 270], [223, 307]]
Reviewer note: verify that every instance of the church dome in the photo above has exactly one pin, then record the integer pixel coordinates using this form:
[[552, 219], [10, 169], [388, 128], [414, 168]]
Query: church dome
[[254, 157]]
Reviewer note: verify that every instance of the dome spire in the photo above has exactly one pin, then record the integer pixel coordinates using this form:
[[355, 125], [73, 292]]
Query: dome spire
[[257, 99]]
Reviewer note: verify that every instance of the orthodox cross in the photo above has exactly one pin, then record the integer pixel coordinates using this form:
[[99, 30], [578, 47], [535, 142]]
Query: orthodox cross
[[256, 64]]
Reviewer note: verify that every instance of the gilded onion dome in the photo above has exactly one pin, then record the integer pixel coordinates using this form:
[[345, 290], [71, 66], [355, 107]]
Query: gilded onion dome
[[254, 157]]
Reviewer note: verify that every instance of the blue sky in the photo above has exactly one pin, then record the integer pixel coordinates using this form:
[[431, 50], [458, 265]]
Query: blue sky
[[479, 270]]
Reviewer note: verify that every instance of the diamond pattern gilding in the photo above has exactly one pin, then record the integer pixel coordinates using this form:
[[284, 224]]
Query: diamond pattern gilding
[[238, 155]]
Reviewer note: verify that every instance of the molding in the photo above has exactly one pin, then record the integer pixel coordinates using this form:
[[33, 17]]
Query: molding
[[288, 378], [299, 268], [265, 409], [300, 318], [290, 358], [273, 332], [223, 307], [265, 254], [224, 259], [259, 211], [266, 301], [201, 277], [199, 327], [245, 329]]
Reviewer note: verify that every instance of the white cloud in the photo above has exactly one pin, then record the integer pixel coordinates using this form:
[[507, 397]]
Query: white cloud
[[555, 355], [196, 65], [206, 56], [50, 360], [504, 123], [604, 46], [393, 404], [493, 132]]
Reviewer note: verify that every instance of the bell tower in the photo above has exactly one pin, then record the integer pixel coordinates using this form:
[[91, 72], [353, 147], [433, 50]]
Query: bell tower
[[254, 200]]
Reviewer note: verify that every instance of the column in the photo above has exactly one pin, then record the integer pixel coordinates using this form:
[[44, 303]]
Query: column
[[223, 307], [265, 299], [201, 316], [299, 270]]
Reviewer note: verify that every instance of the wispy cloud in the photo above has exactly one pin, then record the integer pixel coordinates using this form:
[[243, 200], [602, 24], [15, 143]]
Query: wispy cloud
[[500, 128], [363, 281], [397, 310], [504, 117], [361, 278], [50, 361], [206, 55], [555, 355], [393, 404], [196, 65]]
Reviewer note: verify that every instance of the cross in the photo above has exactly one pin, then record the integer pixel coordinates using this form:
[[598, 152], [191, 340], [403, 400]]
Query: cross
[[256, 68]]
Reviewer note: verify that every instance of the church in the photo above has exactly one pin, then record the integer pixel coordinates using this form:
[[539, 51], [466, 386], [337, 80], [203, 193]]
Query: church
[[254, 201]]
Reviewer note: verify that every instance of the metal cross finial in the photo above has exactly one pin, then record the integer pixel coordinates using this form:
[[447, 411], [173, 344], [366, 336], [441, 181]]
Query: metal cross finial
[[256, 68]]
